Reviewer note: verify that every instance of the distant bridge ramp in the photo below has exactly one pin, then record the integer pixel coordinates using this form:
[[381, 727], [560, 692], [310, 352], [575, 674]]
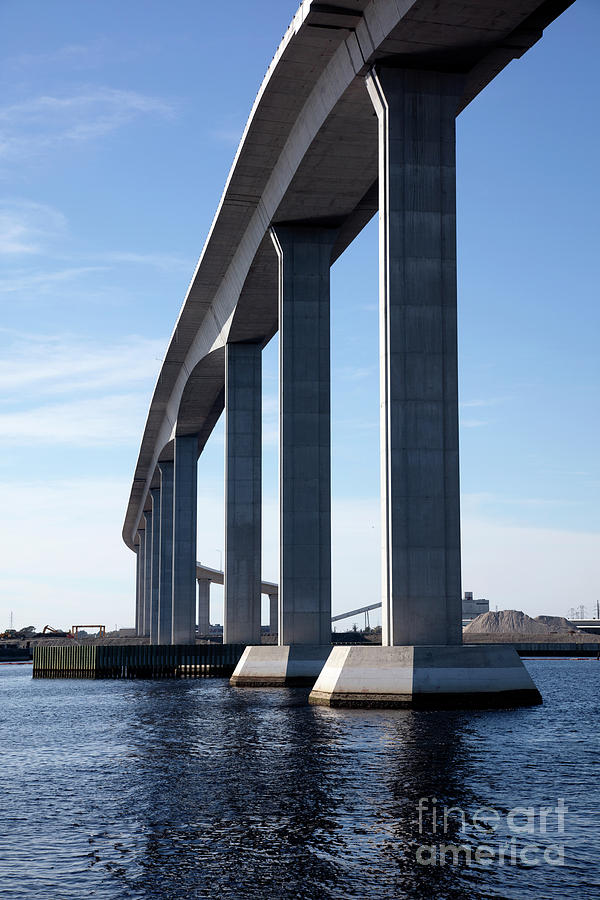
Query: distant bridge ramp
[[355, 612]]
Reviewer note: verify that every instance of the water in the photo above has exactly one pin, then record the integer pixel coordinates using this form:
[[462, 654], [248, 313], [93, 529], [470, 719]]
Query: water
[[190, 789]]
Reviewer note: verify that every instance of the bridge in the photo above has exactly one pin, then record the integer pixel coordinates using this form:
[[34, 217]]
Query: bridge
[[357, 612], [355, 116], [205, 576]]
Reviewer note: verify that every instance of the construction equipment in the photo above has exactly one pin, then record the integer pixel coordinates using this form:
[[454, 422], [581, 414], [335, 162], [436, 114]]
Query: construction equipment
[[101, 629], [48, 629]]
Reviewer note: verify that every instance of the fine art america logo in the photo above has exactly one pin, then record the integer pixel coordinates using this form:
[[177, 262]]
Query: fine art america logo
[[521, 836]]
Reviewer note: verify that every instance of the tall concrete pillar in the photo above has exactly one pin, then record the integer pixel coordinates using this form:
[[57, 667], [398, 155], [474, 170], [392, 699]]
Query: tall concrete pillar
[[155, 495], [165, 577], [304, 445], [147, 573], [243, 452], [422, 661], [185, 502], [141, 573], [273, 613], [137, 588], [421, 581], [204, 607], [304, 624]]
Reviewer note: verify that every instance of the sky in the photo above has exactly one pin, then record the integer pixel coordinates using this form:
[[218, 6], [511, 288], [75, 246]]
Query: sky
[[118, 125]]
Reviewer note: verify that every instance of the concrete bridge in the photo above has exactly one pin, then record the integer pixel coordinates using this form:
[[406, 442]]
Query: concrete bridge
[[356, 115], [205, 576]]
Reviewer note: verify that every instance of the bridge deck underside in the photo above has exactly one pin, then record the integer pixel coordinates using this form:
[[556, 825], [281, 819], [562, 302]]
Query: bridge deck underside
[[317, 76]]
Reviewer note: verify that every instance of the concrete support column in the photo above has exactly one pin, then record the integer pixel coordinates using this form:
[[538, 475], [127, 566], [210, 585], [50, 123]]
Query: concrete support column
[[273, 613], [155, 495], [304, 444], [141, 572], [204, 606], [137, 588], [185, 503], [165, 577], [243, 452], [422, 662], [147, 611], [421, 581]]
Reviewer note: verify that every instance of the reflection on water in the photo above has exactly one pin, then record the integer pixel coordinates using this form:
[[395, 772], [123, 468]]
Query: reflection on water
[[195, 789]]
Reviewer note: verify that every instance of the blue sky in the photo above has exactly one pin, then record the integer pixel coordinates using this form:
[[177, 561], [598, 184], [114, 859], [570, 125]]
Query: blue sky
[[118, 124]]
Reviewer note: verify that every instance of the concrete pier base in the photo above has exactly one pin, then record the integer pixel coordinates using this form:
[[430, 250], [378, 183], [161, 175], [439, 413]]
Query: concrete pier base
[[270, 666], [425, 677]]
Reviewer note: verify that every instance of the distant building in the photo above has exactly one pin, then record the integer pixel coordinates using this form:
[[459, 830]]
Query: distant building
[[473, 608]]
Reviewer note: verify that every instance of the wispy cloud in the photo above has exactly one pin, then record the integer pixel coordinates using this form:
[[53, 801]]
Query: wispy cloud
[[44, 122], [476, 502], [27, 227], [54, 365], [39, 235], [482, 402], [478, 404], [165, 262], [25, 280], [355, 373], [99, 52], [64, 390], [475, 404], [473, 423], [70, 54], [42, 280], [110, 420]]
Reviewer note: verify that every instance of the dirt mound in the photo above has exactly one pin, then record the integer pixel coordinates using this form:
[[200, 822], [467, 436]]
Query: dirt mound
[[507, 621], [557, 624]]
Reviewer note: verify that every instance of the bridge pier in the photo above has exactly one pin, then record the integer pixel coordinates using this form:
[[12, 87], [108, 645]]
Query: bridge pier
[[421, 569], [243, 501], [304, 253], [137, 588], [139, 581], [422, 660], [155, 566], [185, 502], [204, 607], [165, 577], [146, 613], [273, 613]]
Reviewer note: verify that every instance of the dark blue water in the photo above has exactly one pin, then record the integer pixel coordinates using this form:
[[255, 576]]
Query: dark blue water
[[185, 789]]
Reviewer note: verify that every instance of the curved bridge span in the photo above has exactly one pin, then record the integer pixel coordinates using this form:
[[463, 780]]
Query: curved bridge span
[[355, 115]]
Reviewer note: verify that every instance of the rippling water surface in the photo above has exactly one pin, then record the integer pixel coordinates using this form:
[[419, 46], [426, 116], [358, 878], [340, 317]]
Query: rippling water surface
[[184, 789]]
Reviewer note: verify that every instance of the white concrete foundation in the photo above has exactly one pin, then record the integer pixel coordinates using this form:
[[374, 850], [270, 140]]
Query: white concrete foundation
[[472, 675], [271, 666]]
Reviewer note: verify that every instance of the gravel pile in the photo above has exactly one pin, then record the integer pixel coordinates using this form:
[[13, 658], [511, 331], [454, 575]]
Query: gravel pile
[[513, 621]]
